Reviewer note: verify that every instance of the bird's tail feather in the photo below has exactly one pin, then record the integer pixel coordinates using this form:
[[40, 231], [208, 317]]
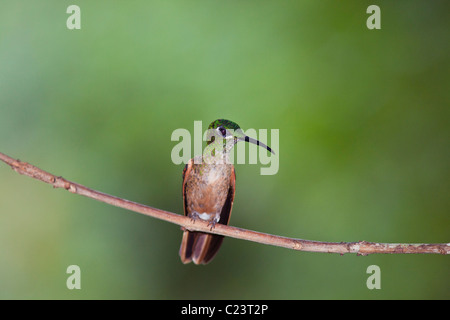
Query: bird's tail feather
[[199, 247]]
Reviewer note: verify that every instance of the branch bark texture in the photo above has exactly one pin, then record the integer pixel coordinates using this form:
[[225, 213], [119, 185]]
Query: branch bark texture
[[360, 247]]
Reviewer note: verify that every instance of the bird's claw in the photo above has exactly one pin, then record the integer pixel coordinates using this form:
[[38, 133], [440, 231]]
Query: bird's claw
[[194, 216], [212, 223]]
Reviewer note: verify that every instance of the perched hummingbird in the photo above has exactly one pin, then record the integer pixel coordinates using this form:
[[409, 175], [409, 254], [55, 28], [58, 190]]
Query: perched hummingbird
[[208, 189]]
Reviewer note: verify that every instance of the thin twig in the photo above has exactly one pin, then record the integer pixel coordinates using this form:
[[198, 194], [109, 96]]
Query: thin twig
[[360, 247]]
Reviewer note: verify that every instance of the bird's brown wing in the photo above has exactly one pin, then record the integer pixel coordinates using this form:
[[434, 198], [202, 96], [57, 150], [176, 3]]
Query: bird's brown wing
[[188, 237]]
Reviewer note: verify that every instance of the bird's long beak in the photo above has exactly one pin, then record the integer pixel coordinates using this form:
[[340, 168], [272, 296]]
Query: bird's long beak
[[254, 141]]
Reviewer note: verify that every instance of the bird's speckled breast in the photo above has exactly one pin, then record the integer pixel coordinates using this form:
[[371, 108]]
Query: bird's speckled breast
[[207, 189]]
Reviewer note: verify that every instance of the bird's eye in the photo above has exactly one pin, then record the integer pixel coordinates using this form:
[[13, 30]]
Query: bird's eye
[[223, 131]]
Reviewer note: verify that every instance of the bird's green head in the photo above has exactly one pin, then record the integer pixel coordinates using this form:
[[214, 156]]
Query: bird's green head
[[230, 133]]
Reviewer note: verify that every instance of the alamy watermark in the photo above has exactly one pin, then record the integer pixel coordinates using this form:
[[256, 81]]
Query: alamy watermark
[[182, 152], [374, 280], [74, 280]]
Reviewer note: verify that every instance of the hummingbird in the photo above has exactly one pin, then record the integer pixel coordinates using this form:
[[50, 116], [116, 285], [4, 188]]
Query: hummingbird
[[209, 184]]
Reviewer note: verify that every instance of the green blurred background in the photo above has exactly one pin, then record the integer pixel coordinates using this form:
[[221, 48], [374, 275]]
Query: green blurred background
[[364, 144]]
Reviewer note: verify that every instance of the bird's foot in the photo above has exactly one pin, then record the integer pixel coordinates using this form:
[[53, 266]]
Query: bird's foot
[[212, 224], [194, 216]]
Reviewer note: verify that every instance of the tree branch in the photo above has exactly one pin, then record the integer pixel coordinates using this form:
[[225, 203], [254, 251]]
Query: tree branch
[[360, 247]]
